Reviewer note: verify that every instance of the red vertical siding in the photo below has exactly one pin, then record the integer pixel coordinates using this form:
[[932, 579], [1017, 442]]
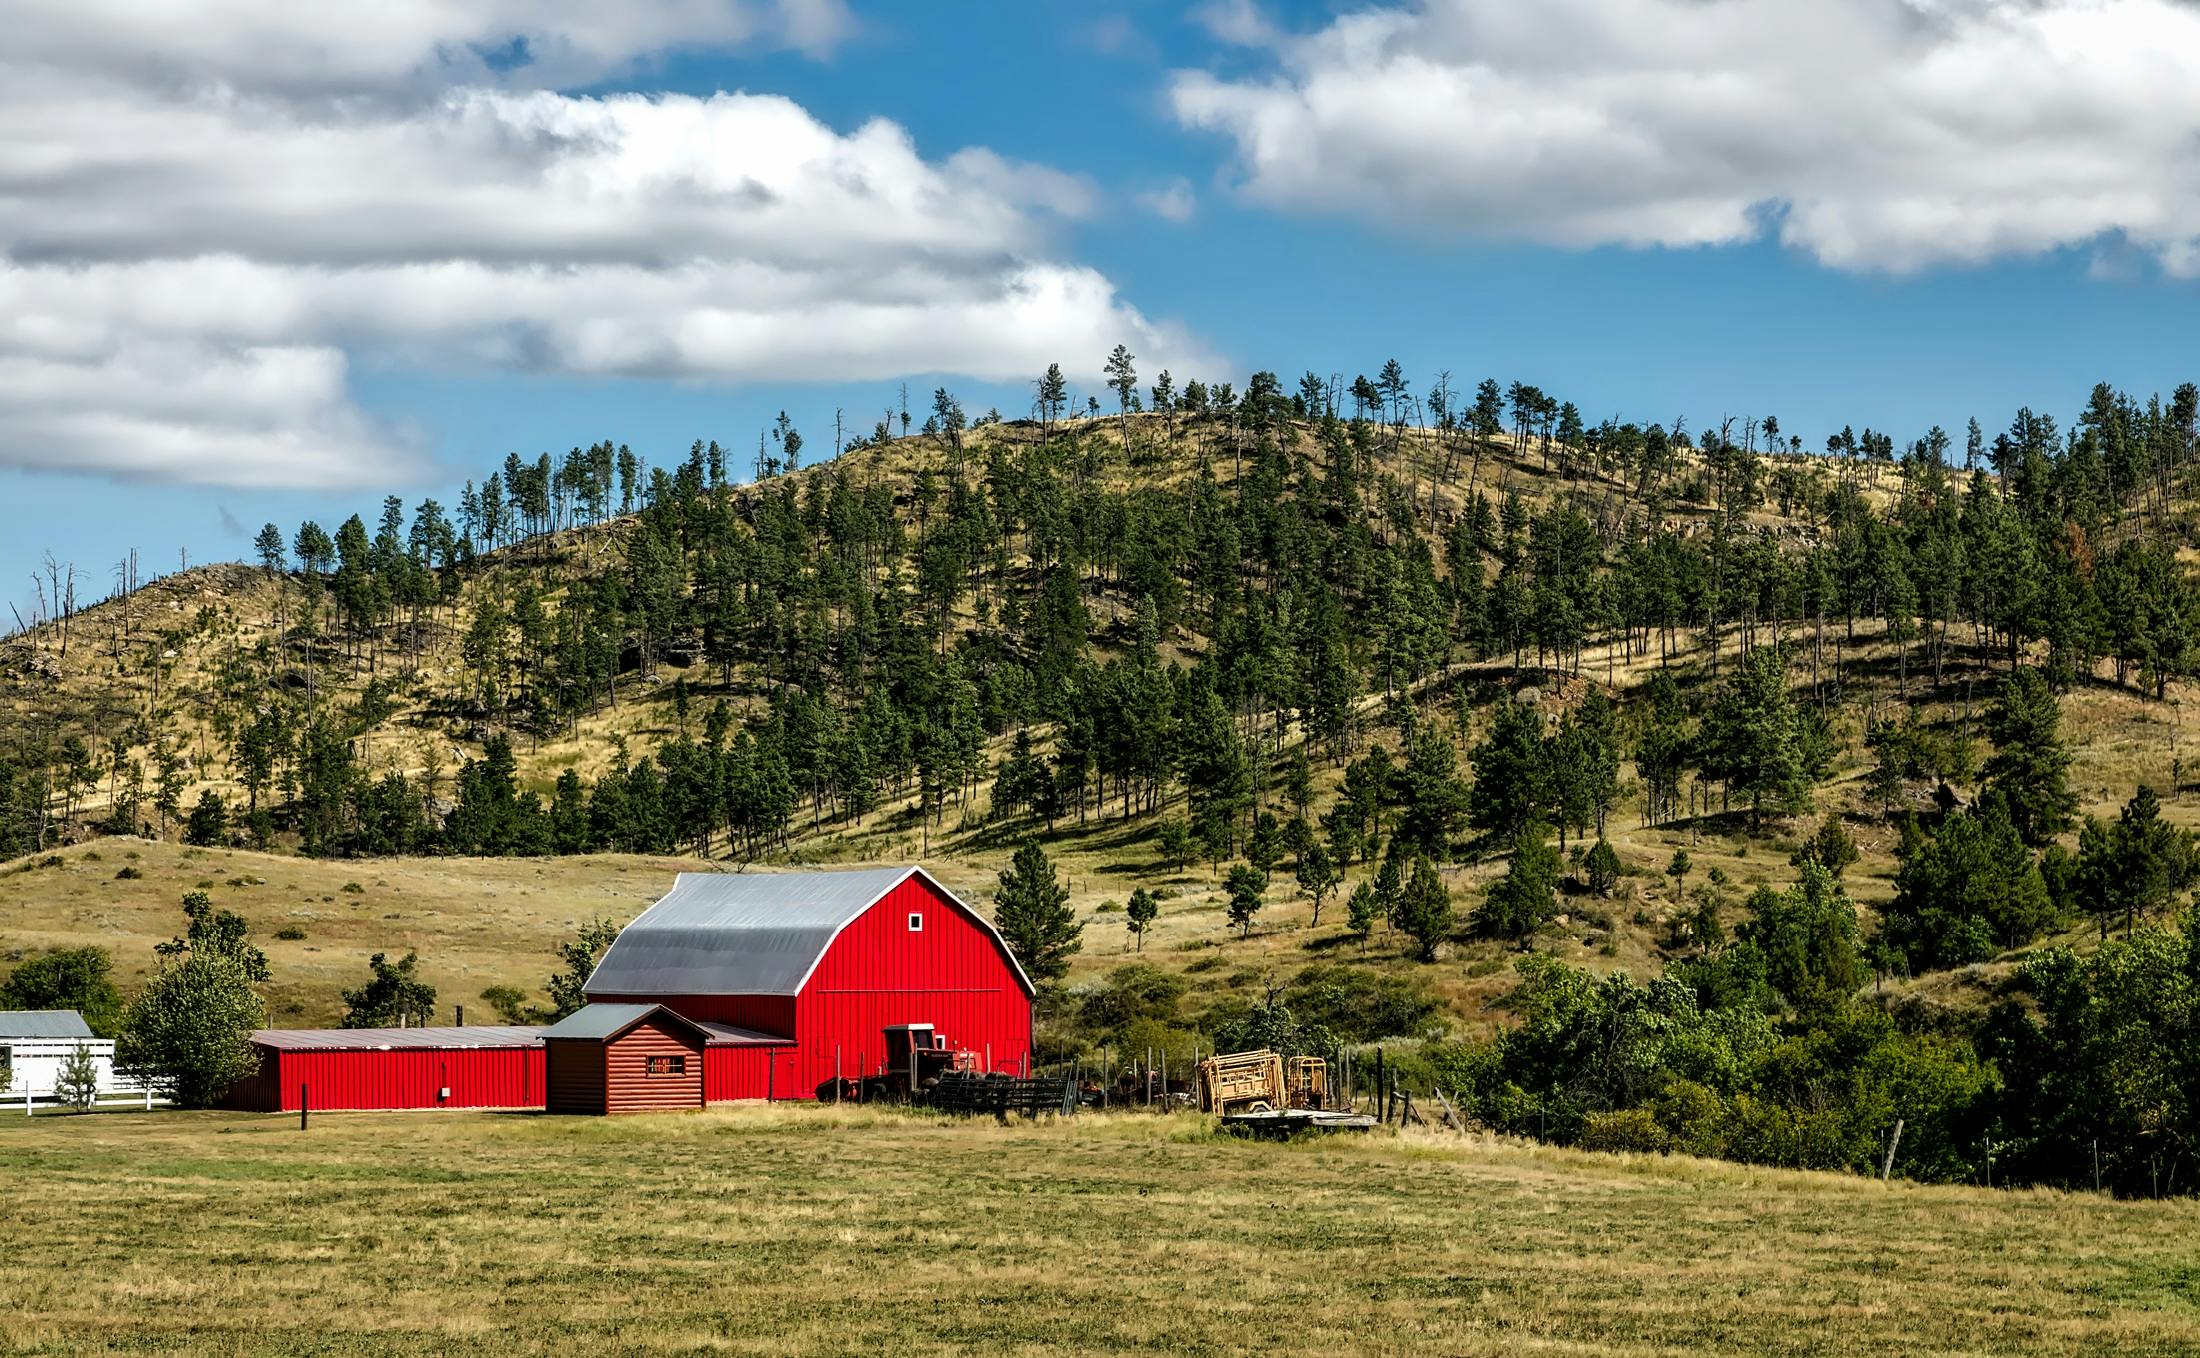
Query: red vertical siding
[[748, 1073], [951, 974], [261, 1091], [478, 1077]]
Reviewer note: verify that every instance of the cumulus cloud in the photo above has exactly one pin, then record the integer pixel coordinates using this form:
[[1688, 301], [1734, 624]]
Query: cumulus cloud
[[1873, 135], [319, 51], [190, 263]]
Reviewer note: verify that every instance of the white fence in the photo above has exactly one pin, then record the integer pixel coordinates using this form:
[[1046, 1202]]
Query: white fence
[[33, 1069], [31, 1103]]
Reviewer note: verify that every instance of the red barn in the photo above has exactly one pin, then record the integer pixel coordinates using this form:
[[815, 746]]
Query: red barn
[[334, 1068], [797, 976]]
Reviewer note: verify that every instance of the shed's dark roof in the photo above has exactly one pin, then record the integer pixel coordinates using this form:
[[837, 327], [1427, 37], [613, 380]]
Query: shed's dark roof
[[602, 1022], [61, 1023], [395, 1039], [757, 933], [726, 1035]]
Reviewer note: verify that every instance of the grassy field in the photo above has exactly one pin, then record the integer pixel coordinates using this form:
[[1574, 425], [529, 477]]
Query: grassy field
[[796, 1231]]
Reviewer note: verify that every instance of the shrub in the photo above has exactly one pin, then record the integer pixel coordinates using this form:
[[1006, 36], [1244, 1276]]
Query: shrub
[[1625, 1129], [510, 1003], [290, 933], [127, 874], [1693, 1117]]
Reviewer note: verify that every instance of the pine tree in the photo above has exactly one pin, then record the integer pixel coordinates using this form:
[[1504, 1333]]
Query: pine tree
[[1245, 885], [1362, 910], [1141, 913], [2030, 769], [1124, 379], [1433, 799], [1318, 876], [1031, 909], [1520, 902], [1510, 771], [1602, 867], [1424, 908], [76, 1084], [1967, 893], [1752, 738]]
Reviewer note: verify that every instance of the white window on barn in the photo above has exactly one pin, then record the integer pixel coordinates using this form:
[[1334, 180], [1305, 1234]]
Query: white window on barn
[[916, 922]]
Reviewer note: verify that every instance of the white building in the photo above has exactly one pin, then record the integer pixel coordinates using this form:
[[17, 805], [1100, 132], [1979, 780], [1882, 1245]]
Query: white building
[[34, 1043]]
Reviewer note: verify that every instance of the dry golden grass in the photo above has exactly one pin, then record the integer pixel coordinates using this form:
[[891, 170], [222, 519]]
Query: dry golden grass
[[474, 922], [793, 1231]]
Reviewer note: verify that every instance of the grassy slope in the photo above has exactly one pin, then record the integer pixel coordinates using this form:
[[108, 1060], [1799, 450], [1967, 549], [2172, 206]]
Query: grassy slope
[[478, 923], [793, 1232]]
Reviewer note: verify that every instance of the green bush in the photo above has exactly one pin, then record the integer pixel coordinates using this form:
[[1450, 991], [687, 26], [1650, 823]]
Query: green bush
[[1625, 1129]]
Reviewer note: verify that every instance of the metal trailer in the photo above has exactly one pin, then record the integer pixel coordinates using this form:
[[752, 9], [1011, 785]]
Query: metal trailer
[[1242, 1082]]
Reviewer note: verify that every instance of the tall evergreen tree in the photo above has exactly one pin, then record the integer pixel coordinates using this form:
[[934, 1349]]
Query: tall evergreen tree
[[2030, 768], [1031, 909]]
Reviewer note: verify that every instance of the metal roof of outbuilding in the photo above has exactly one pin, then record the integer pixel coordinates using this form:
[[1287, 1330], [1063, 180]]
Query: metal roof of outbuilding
[[395, 1039], [757, 933], [62, 1023], [602, 1022], [726, 1035]]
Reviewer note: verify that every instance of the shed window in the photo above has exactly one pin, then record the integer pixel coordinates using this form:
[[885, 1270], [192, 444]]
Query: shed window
[[916, 923], [668, 1065]]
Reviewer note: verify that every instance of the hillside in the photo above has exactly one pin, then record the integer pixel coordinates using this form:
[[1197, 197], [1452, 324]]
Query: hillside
[[1174, 650], [182, 662]]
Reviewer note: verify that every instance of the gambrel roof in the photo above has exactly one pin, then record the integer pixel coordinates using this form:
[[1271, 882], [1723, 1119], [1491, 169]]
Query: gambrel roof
[[757, 933]]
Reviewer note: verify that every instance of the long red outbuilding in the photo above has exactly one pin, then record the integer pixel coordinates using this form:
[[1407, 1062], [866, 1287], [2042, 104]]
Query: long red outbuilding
[[354, 1068], [791, 981]]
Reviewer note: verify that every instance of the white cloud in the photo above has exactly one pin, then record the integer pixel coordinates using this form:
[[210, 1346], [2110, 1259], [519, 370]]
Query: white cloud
[[1172, 202], [318, 50], [1238, 22], [188, 264], [1881, 135]]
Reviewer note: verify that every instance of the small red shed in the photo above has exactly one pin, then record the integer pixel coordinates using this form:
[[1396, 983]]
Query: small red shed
[[340, 1068], [624, 1058], [813, 968]]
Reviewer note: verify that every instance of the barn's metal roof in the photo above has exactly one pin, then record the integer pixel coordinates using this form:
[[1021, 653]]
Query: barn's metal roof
[[395, 1039], [61, 1023], [757, 933]]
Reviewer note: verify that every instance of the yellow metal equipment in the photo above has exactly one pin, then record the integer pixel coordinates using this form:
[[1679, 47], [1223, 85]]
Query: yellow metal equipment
[[1261, 1082]]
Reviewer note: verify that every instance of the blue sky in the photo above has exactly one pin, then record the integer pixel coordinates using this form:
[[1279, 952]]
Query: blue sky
[[1450, 182]]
